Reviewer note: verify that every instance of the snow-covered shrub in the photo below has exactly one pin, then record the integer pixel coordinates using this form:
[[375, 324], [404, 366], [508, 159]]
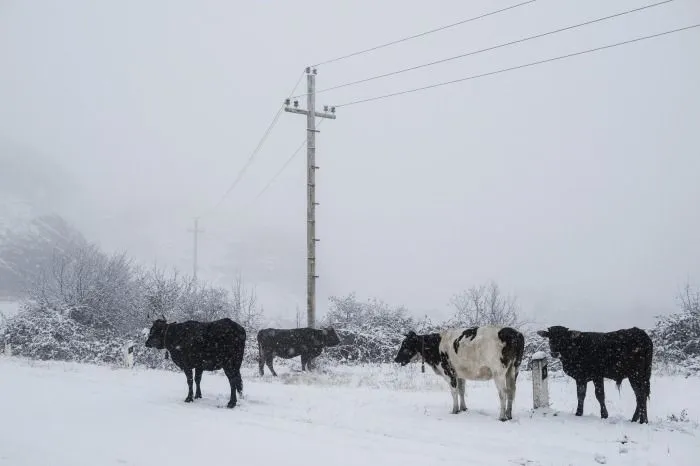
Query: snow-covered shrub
[[47, 333], [677, 336], [369, 331]]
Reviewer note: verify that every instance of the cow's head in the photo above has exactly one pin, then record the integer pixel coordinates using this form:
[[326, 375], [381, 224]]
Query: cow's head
[[409, 350], [330, 338], [156, 337], [561, 339]]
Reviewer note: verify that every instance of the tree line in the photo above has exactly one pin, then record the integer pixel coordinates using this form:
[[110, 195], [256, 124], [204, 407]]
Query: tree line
[[84, 304]]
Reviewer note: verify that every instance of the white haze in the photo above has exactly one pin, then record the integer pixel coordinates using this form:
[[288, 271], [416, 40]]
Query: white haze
[[573, 184]]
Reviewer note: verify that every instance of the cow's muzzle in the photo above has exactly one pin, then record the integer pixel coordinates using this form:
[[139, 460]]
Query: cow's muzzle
[[555, 354]]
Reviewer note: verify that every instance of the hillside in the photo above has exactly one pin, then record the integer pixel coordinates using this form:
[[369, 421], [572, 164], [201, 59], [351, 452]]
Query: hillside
[[27, 243]]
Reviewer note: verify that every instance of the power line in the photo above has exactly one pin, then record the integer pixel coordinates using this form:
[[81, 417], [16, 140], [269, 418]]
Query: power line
[[284, 167], [264, 137], [561, 57], [301, 75], [476, 52], [442, 28], [242, 171], [279, 172]]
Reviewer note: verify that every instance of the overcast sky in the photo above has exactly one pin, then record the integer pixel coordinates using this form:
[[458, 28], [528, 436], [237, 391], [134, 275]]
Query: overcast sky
[[573, 184]]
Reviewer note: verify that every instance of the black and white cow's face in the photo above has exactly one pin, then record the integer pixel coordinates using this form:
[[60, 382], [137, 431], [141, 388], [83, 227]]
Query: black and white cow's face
[[156, 337], [409, 350], [561, 339], [330, 338]]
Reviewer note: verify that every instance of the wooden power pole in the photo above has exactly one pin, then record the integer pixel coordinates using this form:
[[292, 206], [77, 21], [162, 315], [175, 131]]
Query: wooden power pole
[[311, 203]]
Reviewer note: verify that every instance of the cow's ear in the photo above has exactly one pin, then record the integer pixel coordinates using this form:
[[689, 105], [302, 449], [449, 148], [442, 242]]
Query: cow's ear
[[543, 333], [575, 334]]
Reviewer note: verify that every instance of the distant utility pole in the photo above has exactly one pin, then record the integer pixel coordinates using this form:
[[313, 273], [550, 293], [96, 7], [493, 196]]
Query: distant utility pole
[[196, 232], [311, 203]]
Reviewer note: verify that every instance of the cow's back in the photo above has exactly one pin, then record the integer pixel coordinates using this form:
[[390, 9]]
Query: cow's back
[[289, 343], [613, 355], [475, 355], [209, 345]]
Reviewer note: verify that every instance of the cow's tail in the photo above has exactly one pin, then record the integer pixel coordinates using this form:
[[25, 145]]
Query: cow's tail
[[238, 362], [239, 382], [649, 356], [513, 348], [261, 358]]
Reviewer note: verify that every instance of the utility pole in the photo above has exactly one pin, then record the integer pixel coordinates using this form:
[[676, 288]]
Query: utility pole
[[196, 232], [311, 203]]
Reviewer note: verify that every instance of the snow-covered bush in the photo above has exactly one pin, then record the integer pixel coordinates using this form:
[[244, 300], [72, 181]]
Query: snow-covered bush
[[369, 331], [48, 333], [677, 336]]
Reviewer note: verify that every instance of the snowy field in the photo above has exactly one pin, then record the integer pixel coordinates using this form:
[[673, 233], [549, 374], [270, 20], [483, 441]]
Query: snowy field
[[64, 414]]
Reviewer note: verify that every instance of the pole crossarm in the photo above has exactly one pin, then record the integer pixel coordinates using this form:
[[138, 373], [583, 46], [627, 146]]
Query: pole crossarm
[[301, 111]]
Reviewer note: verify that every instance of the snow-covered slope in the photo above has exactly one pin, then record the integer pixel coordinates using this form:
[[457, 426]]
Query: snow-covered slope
[[73, 415], [28, 240]]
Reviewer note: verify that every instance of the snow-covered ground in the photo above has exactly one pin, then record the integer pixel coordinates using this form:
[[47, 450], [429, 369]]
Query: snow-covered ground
[[64, 414]]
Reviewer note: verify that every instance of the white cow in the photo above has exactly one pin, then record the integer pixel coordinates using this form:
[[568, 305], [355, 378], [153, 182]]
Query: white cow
[[477, 353]]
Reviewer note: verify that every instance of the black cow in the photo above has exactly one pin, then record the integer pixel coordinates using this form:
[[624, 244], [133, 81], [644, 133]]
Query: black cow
[[288, 343], [593, 356], [203, 346]]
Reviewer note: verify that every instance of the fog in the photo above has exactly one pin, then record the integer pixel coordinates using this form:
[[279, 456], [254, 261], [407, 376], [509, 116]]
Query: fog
[[573, 184]]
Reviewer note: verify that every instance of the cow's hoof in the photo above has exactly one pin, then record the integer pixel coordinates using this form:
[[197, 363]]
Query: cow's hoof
[[231, 404], [188, 399], [462, 409], [578, 413], [503, 419], [198, 395], [603, 415]]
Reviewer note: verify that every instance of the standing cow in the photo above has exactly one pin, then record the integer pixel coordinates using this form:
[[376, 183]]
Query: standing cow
[[203, 346], [288, 343], [593, 356], [476, 353]]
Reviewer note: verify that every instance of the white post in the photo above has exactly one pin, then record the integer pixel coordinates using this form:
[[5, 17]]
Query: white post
[[540, 388], [129, 355]]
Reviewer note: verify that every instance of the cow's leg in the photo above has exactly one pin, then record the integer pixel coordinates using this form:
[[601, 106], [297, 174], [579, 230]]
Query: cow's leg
[[635, 389], [640, 412], [581, 395], [231, 376], [261, 364], [460, 389], [642, 402], [510, 391], [600, 396], [268, 360], [188, 374], [500, 381], [309, 357], [455, 405], [198, 380]]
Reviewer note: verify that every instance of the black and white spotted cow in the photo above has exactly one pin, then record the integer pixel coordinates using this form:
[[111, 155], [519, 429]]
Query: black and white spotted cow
[[477, 353]]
